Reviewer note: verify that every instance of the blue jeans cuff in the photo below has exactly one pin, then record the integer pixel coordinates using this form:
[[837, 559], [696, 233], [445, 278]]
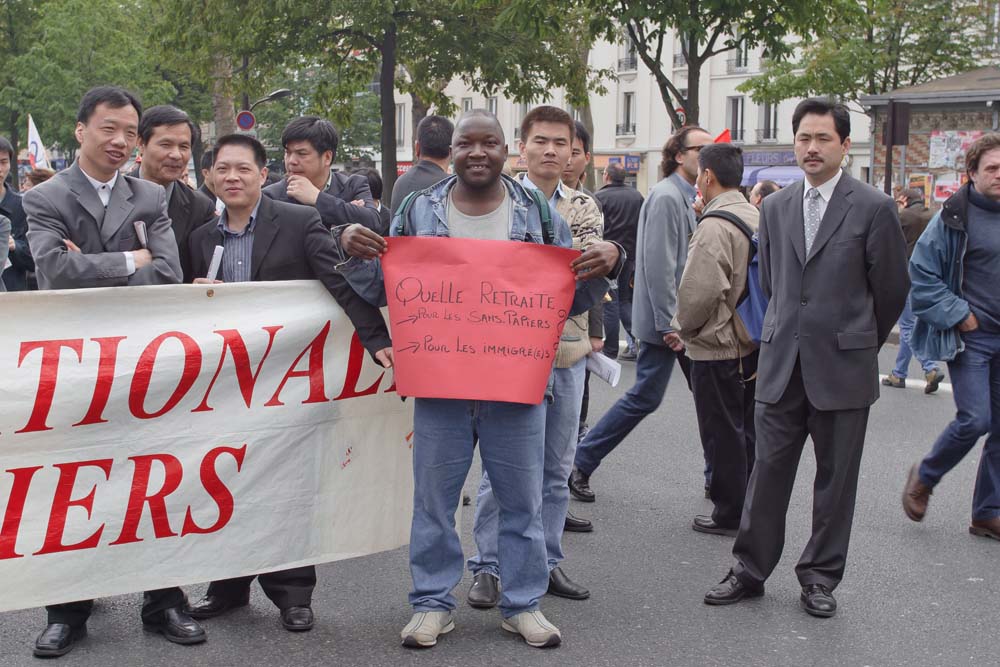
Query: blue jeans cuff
[[510, 613]]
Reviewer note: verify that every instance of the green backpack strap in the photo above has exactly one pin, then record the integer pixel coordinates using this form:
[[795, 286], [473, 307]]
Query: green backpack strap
[[545, 213], [403, 211]]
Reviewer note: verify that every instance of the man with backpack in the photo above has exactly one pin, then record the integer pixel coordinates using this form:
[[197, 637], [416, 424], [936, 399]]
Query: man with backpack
[[478, 202], [722, 351]]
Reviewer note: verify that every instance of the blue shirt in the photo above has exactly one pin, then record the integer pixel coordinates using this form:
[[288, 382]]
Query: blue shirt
[[558, 193], [237, 248], [686, 188]]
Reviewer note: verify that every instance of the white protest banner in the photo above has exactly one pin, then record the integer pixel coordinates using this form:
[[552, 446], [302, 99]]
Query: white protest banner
[[160, 436]]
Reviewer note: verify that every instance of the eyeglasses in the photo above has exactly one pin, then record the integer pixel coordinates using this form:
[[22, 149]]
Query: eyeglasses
[[696, 149]]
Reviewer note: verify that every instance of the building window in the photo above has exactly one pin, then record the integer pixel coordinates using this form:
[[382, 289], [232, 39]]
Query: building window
[[768, 123], [522, 111], [737, 64], [491, 105], [734, 106], [400, 125], [627, 126], [629, 61], [466, 104]]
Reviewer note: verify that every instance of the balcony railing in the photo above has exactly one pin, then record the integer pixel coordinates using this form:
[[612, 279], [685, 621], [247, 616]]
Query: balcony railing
[[628, 63], [625, 129], [736, 65], [767, 134], [680, 61]]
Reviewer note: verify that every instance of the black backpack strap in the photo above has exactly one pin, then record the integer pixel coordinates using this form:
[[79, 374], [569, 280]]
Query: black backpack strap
[[733, 218], [403, 211], [545, 213]]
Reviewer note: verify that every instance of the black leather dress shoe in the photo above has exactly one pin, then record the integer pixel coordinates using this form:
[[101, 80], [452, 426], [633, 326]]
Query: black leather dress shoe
[[817, 600], [58, 639], [706, 524], [579, 486], [177, 627], [211, 606], [485, 591], [730, 591], [297, 619], [575, 524], [561, 586]]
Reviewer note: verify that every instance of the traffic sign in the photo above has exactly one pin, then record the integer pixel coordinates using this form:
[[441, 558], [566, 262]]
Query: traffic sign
[[245, 120]]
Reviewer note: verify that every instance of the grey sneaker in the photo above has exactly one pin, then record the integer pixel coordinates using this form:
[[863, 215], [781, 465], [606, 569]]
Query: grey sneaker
[[535, 629], [423, 629]]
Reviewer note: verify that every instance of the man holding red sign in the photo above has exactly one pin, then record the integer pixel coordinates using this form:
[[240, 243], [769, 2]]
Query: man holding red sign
[[478, 202]]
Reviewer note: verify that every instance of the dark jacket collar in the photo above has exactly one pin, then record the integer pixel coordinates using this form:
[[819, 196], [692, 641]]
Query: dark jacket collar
[[955, 211]]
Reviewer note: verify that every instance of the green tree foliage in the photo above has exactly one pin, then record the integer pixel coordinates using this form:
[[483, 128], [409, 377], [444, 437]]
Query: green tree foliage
[[78, 44], [18, 24], [878, 46], [705, 28]]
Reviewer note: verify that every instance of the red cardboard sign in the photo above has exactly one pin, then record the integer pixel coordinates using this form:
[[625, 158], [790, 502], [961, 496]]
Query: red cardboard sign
[[476, 320]]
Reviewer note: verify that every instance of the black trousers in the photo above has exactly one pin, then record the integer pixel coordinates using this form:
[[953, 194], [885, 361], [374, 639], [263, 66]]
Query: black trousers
[[287, 588], [838, 440], [724, 403], [154, 603]]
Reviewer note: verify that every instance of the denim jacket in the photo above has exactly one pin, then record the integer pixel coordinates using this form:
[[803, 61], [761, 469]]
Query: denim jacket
[[428, 217], [936, 281]]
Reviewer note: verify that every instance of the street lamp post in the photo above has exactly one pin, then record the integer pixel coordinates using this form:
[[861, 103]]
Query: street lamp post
[[273, 95]]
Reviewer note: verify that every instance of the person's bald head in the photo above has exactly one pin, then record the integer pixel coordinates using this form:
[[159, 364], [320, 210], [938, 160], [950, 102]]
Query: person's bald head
[[478, 149]]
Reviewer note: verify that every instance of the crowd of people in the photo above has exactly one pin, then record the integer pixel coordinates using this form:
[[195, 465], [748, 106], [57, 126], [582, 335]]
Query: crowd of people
[[833, 258]]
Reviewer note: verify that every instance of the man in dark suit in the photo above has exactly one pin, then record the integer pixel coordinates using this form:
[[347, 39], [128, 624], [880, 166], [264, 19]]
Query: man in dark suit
[[431, 156], [166, 135], [264, 240], [80, 225], [15, 276], [375, 185], [833, 262], [310, 145], [621, 204]]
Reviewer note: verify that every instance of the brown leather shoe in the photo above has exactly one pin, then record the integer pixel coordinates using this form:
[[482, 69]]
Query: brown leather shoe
[[916, 495], [986, 528]]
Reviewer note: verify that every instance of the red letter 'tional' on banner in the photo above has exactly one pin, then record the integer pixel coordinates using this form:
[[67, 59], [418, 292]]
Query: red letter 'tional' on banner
[[355, 361], [317, 385], [47, 377], [105, 378], [140, 497], [63, 500], [144, 373], [233, 341]]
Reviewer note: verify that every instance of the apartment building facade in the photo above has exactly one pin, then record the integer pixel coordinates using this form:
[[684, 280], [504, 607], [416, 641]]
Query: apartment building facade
[[631, 123]]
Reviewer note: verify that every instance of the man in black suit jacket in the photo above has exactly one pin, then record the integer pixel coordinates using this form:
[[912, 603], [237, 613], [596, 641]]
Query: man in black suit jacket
[[270, 240], [166, 135], [15, 276], [833, 262], [310, 145], [431, 156]]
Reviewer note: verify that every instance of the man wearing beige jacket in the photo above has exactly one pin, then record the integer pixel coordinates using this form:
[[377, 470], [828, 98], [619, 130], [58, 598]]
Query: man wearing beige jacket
[[723, 357]]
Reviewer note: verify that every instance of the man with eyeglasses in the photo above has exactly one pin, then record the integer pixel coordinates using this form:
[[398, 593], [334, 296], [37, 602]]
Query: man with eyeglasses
[[666, 222]]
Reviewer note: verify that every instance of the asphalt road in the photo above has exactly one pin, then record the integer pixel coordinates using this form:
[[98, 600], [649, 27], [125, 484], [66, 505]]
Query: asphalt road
[[914, 594]]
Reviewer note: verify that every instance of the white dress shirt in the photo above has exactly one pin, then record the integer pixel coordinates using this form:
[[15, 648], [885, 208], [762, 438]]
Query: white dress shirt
[[104, 189], [825, 193]]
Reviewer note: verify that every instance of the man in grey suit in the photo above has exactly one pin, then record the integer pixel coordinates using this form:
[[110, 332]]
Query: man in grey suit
[[666, 223], [81, 232], [833, 262], [4, 247]]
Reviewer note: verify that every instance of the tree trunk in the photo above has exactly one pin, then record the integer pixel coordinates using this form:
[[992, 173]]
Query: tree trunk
[[15, 138], [222, 99], [587, 118], [692, 108], [418, 111], [387, 95], [197, 150]]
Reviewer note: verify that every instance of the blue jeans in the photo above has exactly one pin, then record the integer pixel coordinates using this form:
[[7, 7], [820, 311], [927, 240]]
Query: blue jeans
[[619, 309], [906, 320], [511, 446], [652, 372], [561, 425], [975, 382]]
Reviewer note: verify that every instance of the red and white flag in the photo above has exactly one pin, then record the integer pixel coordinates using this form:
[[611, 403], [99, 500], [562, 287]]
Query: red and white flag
[[36, 149]]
